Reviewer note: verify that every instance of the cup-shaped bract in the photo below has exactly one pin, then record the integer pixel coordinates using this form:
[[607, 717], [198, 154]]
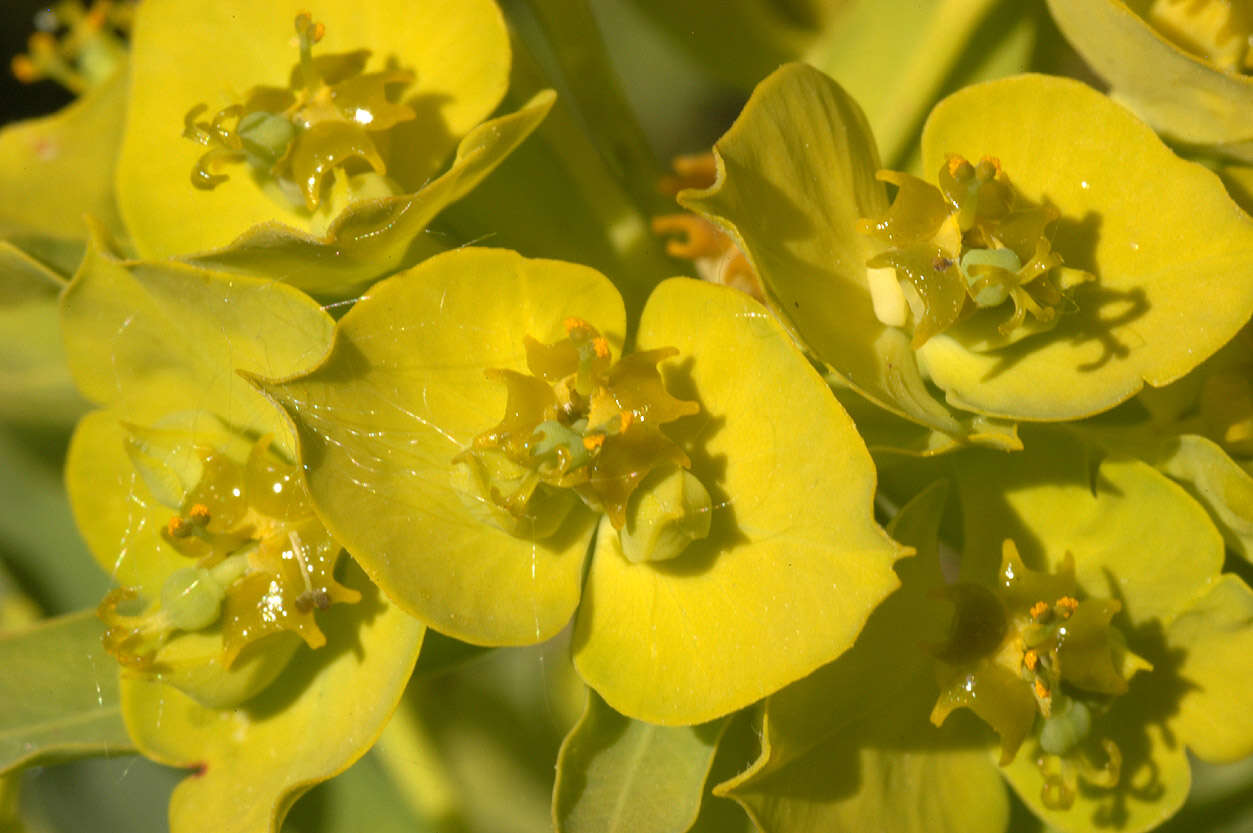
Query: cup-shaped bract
[[793, 561], [1169, 286], [1143, 51], [326, 152], [1135, 539]]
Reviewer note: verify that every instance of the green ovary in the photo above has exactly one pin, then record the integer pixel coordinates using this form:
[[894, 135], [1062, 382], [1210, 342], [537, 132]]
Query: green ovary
[[322, 138], [970, 244], [581, 425], [1032, 659], [261, 564], [1216, 30]]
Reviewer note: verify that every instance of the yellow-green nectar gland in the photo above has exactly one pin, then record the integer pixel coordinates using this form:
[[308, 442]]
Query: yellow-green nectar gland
[[970, 244], [326, 131], [76, 46], [581, 424], [1217, 30], [261, 563], [1034, 659]]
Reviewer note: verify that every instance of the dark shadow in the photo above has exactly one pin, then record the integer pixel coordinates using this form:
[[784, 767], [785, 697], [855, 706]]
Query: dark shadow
[[1097, 309], [1153, 698], [693, 434], [417, 149]]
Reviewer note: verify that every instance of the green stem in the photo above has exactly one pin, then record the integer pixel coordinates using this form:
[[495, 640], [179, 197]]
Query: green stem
[[417, 768]]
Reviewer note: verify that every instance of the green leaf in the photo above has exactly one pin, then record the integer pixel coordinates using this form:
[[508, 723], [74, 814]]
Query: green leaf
[[150, 339], [361, 798], [312, 723], [850, 747], [742, 41], [616, 775], [58, 693], [1181, 95], [35, 384], [40, 543], [373, 238], [401, 395], [458, 50], [1139, 321], [794, 561], [894, 56], [796, 173]]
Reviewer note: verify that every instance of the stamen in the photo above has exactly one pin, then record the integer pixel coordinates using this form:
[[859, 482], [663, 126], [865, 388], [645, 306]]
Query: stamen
[[689, 236], [178, 527], [298, 550], [1066, 606], [199, 515], [572, 323], [1038, 610], [592, 442], [1030, 659]]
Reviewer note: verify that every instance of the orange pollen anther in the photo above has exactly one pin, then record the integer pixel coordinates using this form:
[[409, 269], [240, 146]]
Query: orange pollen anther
[[601, 346], [572, 323], [1067, 605], [1030, 659], [593, 441], [198, 514], [178, 527], [1041, 690], [1039, 609], [24, 69], [624, 421]]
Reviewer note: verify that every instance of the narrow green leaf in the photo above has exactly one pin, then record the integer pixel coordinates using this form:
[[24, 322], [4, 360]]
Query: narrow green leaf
[[58, 693], [617, 775], [894, 55]]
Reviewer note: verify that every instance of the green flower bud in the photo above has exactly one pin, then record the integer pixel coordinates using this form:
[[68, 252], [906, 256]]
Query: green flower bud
[[192, 598], [265, 137], [509, 496], [989, 295], [1066, 727], [670, 509]]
